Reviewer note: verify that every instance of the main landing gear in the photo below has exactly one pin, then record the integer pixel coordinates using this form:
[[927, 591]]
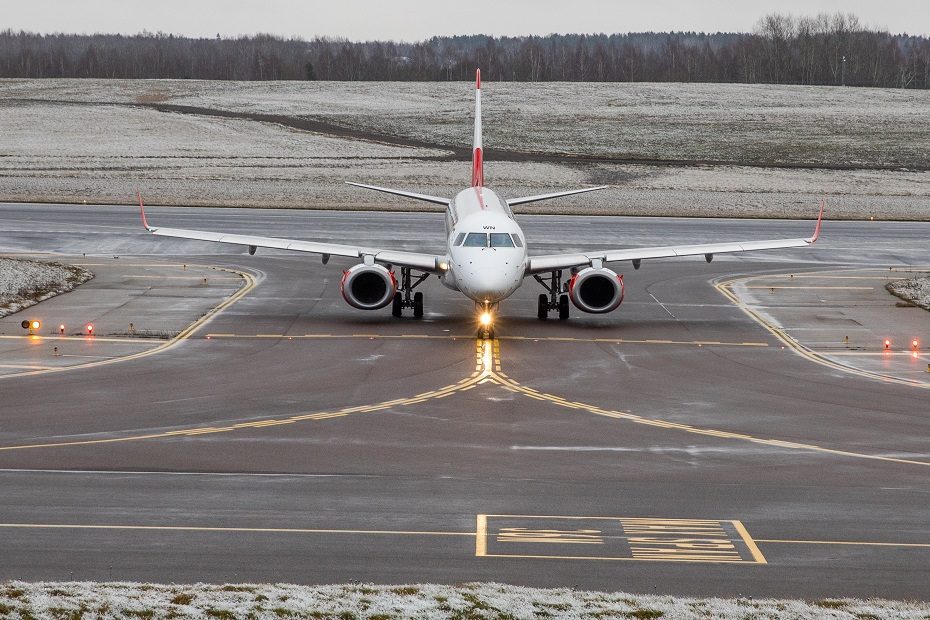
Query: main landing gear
[[556, 299], [415, 301]]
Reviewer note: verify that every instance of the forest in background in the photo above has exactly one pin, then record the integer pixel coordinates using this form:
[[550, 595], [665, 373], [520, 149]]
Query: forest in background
[[827, 49]]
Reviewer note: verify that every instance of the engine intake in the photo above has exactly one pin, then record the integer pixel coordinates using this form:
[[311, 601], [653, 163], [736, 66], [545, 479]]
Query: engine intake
[[368, 287], [596, 290]]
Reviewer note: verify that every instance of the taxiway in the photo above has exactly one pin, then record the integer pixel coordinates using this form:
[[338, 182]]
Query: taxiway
[[675, 445]]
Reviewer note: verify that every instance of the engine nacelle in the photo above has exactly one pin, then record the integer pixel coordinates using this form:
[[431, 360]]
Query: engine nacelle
[[368, 287], [596, 290]]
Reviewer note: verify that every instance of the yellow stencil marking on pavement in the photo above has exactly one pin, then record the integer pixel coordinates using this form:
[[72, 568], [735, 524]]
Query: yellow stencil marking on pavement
[[616, 538]]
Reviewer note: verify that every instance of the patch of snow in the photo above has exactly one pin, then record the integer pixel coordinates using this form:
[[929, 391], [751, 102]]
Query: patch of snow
[[24, 283], [916, 290], [47, 600]]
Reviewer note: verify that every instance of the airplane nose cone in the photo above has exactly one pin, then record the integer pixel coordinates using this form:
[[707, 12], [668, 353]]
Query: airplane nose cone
[[488, 278]]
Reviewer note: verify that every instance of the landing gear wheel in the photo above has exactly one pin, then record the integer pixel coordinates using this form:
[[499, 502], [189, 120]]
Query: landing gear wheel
[[542, 307], [396, 308], [563, 307], [418, 305]]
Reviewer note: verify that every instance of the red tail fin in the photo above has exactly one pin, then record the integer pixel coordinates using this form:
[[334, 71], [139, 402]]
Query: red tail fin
[[477, 158]]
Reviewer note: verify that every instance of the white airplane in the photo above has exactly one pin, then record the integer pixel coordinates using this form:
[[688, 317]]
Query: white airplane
[[486, 254]]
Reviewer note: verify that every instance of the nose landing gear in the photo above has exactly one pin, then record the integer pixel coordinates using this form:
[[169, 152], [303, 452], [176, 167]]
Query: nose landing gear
[[556, 299], [485, 319], [415, 301]]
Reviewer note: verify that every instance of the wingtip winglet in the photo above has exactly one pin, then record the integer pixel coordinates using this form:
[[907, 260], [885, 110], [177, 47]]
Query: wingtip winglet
[[816, 235], [145, 222]]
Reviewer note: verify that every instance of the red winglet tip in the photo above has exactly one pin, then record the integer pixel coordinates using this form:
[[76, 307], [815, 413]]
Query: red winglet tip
[[145, 223], [478, 79], [816, 236]]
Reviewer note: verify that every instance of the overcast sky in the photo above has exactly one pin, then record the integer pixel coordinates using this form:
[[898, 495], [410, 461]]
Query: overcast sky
[[413, 20]]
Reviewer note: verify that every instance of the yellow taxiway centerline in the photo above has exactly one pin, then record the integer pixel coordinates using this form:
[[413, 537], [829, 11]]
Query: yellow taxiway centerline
[[488, 359]]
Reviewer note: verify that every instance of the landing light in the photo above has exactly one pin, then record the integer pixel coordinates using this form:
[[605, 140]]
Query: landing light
[[887, 344], [915, 344], [90, 329], [36, 325], [486, 318]]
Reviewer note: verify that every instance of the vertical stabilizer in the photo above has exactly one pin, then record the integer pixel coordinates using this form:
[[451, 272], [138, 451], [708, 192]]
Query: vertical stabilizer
[[477, 157]]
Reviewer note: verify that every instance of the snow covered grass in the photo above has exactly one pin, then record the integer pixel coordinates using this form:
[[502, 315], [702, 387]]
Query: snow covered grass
[[477, 601], [728, 122], [24, 283], [56, 150], [915, 290]]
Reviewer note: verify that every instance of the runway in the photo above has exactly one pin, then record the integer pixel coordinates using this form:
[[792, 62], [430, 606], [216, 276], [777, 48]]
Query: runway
[[673, 446]]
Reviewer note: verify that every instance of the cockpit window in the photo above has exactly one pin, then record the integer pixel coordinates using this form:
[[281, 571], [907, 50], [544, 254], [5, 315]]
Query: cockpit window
[[517, 240], [476, 240], [501, 240], [459, 239]]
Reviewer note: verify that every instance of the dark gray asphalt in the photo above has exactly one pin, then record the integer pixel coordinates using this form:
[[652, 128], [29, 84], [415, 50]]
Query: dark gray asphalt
[[394, 494]]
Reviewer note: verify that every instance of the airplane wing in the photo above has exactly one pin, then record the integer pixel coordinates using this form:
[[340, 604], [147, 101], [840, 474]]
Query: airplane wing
[[551, 262], [519, 201], [399, 192], [424, 262]]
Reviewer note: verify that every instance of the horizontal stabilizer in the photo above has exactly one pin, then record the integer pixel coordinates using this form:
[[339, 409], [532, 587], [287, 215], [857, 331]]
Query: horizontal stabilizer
[[398, 192], [526, 199]]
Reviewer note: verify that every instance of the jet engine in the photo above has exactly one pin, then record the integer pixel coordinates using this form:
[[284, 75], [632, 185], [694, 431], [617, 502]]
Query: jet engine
[[368, 287], [596, 290]]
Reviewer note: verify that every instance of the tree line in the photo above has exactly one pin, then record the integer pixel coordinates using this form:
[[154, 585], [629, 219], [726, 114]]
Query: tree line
[[825, 49]]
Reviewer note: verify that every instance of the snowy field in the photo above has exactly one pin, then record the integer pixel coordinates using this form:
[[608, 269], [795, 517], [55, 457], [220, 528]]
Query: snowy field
[[97, 140], [24, 283], [53, 601]]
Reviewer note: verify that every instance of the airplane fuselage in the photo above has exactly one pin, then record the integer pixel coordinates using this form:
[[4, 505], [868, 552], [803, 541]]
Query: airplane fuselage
[[486, 247]]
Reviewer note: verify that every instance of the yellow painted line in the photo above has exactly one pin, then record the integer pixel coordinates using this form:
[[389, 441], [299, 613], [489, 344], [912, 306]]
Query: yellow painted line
[[820, 277], [200, 278], [246, 530], [481, 536], [723, 287], [26, 366], [186, 333], [845, 288], [618, 559], [707, 432], [87, 339], [750, 543], [881, 354], [258, 424], [861, 543], [147, 265], [626, 341]]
